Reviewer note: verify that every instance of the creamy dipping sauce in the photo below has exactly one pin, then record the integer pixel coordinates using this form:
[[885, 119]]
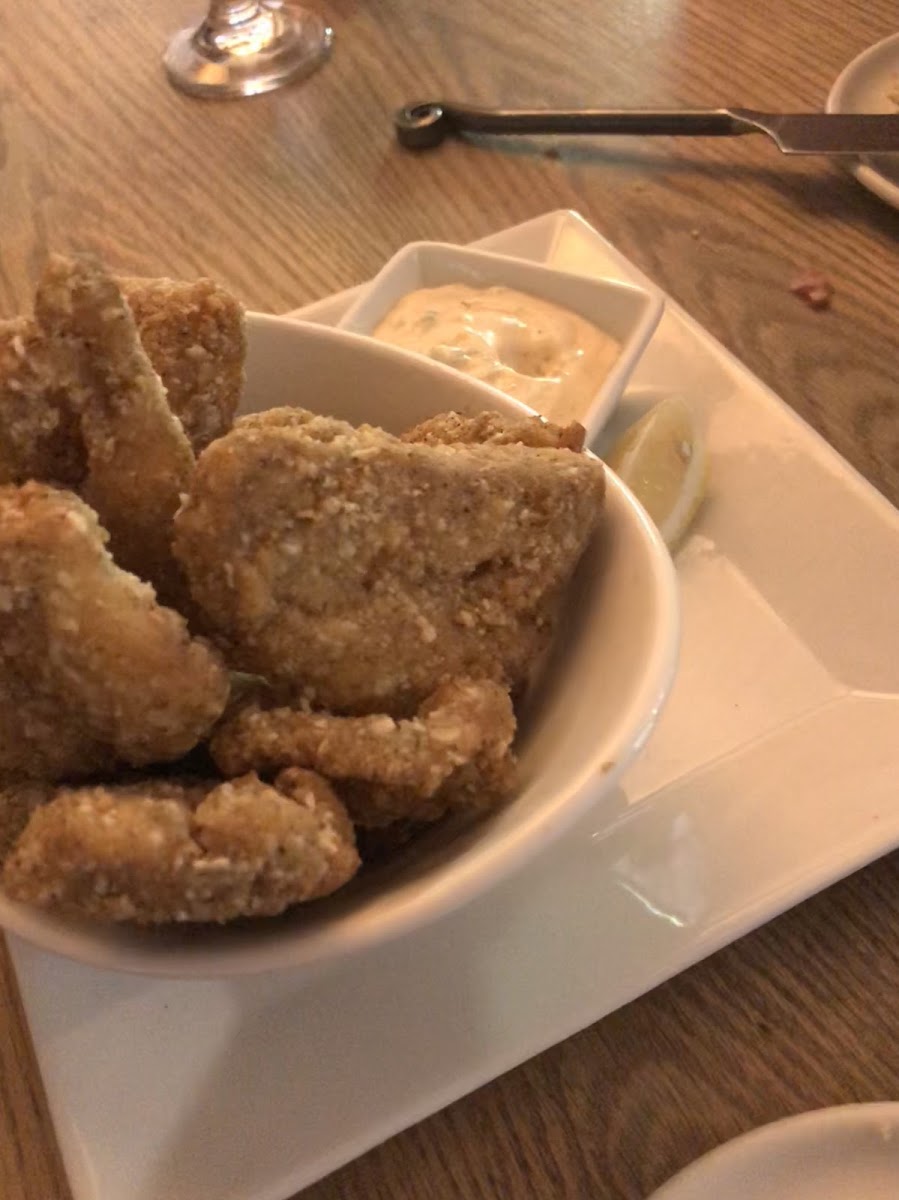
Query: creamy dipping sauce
[[544, 355]]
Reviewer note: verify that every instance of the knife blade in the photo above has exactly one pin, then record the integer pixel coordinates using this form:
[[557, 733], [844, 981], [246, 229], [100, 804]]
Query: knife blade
[[827, 133], [426, 124]]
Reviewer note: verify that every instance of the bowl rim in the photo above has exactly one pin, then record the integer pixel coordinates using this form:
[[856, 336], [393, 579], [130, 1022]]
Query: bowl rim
[[473, 874], [862, 167], [609, 391]]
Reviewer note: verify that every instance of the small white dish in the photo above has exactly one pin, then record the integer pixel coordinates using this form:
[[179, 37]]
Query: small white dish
[[864, 87], [610, 671], [843, 1153], [624, 311]]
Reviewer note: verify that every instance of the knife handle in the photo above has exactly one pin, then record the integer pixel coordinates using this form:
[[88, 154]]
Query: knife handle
[[423, 125]]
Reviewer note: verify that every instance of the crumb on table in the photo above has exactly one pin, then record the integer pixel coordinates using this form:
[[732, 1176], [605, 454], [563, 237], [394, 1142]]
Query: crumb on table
[[813, 288]]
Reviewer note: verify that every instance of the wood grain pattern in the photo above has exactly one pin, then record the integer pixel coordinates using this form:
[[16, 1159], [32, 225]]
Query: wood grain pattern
[[291, 196]]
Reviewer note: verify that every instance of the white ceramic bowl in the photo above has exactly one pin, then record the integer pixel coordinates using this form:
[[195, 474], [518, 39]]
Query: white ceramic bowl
[[611, 670], [864, 86], [626, 312]]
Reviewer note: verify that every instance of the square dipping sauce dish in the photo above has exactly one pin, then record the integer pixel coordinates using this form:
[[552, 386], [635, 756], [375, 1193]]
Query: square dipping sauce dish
[[624, 312]]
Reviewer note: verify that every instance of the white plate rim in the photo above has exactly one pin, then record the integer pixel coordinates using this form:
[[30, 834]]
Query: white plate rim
[[749, 1147]]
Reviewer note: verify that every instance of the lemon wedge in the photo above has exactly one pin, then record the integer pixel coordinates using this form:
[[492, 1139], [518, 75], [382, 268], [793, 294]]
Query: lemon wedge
[[662, 459]]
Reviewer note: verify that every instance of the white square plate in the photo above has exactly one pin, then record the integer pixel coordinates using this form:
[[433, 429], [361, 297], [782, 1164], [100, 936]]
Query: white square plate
[[771, 775]]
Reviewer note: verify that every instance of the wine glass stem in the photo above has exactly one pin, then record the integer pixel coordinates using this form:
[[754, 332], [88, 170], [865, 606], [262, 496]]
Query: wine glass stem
[[246, 47], [225, 14]]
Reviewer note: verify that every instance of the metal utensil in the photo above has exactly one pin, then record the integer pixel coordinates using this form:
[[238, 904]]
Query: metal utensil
[[423, 125]]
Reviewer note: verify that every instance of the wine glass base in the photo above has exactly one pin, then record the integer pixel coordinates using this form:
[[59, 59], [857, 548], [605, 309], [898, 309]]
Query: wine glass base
[[278, 45]]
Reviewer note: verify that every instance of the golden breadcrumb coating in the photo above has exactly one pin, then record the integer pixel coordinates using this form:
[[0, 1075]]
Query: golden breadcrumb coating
[[40, 437], [496, 429], [17, 802], [194, 336], [93, 672], [167, 850], [362, 571], [139, 461], [462, 720], [476, 787]]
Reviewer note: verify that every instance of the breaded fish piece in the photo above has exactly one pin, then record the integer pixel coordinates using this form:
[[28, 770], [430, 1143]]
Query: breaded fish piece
[[464, 719], [455, 754], [496, 429], [93, 672], [166, 850], [139, 461], [363, 572], [194, 336], [477, 787], [17, 802], [40, 436]]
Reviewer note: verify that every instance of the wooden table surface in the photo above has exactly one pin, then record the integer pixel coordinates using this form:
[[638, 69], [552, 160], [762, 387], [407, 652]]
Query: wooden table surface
[[289, 197]]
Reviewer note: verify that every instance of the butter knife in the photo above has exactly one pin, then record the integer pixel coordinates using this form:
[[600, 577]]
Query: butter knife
[[423, 125]]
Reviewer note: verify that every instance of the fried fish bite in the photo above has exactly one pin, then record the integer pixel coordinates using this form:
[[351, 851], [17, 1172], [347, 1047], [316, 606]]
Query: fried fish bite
[[40, 436], [194, 336], [464, 719], [362, 571], [169, 850], [496, 429], [139, 461], [93, 672], [17, 802], [477, 787], [455, 754]]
